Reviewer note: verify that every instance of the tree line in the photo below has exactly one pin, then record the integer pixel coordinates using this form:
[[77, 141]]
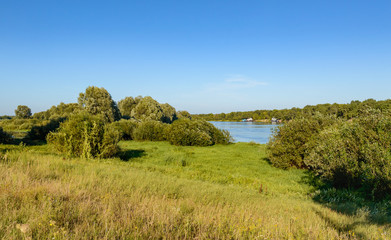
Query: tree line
[[343, 111], [94, 125]]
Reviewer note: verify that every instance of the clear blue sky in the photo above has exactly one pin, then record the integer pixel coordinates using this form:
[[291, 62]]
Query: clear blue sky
[[200, 56]]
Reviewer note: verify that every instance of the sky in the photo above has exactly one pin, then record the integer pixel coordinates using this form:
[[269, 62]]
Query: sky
[[203, 56]]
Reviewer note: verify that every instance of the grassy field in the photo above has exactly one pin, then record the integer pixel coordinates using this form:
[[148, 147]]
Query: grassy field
[[159, 191]]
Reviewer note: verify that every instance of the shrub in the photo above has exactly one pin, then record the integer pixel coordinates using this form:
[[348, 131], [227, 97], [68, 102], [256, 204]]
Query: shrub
[[41, 131], [85, 136], [126, 128], [150, 130], [291, 141], [355, 155], [4, 136], [186, 132]]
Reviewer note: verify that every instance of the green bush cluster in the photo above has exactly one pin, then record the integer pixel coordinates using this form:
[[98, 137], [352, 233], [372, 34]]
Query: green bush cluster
[[126, 127], [4, 136], [345, 154], [86, 136], [150, 130], [15, 124], [289, 143], [355, 154], [39, 132], [186, 132]]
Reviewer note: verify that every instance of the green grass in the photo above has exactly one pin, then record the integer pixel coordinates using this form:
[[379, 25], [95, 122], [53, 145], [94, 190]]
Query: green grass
[[157, 190]]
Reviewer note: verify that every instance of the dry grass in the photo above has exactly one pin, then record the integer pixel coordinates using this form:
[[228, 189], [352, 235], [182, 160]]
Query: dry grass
[[46, 196]]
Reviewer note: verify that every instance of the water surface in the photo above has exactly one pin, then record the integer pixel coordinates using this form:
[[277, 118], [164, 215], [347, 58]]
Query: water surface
[[247, 131]]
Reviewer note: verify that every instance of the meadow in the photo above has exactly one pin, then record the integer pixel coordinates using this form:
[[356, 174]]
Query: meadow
[[155, 190]]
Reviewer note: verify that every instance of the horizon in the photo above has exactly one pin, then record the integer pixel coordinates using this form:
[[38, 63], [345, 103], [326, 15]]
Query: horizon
[[202, 57]]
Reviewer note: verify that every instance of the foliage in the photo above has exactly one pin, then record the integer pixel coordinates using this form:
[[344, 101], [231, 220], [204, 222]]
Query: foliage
[[126, 128], [60, 111], [214, 196], [22, 111], [126, 106], [169, 113], [97, 101], [184, 114], [86, 136], [188, 132], [5, 137], [147, 109], [5, 117], [347, 111], [355, 154], [150, 130], [15, 124], [39, 132], [291, 141]]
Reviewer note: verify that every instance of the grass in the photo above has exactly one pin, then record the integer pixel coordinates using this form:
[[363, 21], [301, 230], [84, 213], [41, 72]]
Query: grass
[[156, 190]]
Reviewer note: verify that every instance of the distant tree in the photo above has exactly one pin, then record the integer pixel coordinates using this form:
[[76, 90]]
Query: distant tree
[[126, 106], [169, 113], [148, 109], [98, 101], [184, 114], [23, 111]]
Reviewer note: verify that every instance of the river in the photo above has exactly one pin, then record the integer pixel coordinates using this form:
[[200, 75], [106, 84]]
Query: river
[[247, 131]]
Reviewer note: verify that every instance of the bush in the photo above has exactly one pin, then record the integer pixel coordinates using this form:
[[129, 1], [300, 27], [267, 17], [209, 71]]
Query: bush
[[5, 137], [85, 136], [186, 132], [291, 141], [355, 154], [150, 130], [126, 128], [41, 131]]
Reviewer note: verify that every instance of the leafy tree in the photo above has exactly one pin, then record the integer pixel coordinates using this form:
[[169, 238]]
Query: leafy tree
[[97, 101], [23, 111], [126, 106], [169, 113], [148, 109], [184, 114]]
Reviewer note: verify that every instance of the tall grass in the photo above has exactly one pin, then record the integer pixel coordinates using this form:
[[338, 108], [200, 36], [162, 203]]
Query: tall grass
[[161, 191]]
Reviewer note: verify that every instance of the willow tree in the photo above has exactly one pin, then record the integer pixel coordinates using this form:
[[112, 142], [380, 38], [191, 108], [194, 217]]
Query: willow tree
[[148, 109], [126, 106], [98, 101]]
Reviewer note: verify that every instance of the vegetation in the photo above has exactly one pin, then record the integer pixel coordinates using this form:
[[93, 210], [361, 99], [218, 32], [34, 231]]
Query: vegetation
[[4, 136], [343, 111], [150, 130], [86, 136], [61, 111], [186, 132], [351, 154], [291, 141], [23, 111], [98, 101], [355, 154], [163, 191]]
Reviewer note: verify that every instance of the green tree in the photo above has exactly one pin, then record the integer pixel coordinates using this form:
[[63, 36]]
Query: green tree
[[23, 111], [183, 114], [98, 101], [169, 113], [126, 106], [148, 109]]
